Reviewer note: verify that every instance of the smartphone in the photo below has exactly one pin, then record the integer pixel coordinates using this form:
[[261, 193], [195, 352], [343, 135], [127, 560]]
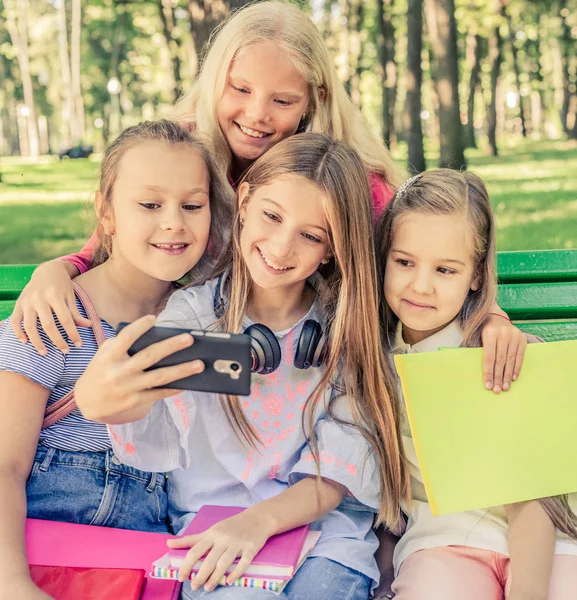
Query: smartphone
[[226, 357]]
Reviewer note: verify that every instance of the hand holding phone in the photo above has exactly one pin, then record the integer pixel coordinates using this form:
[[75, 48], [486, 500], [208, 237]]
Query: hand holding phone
[[117, 388], [226, 357]]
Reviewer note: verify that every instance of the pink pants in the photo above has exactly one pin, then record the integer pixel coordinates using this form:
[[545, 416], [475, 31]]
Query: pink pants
[[460, 572]]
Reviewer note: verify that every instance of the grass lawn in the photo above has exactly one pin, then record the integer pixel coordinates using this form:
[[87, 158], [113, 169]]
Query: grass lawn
[[46, 210]]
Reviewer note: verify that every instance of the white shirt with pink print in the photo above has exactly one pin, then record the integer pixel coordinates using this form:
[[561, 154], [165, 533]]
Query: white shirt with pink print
[[189, 435]]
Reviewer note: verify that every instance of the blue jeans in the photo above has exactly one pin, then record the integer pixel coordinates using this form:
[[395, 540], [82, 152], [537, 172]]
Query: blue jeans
[[94, 488], [318, 579]]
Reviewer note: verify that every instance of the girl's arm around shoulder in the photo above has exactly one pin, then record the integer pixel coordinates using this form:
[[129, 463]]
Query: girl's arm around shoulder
[[22, 405], [504, 348], [532, 549], [382, 193], [45, 370], [82, 261], [48, 299]]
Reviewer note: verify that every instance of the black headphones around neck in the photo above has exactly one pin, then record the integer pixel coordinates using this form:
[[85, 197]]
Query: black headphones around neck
[[266, 353]]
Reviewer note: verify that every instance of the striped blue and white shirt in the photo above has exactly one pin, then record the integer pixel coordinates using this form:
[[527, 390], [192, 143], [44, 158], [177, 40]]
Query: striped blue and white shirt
[[58, 373]]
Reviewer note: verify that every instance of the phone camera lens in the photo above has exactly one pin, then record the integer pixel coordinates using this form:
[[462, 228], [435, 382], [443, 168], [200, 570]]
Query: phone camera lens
[[234, 367]]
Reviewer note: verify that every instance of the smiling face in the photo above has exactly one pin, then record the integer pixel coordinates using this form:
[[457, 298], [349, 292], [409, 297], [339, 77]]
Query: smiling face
[[263, 102], [284, 235], [429, 272], [160, 218]]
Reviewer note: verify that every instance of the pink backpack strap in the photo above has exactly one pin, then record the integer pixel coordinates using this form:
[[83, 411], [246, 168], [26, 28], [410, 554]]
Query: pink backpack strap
[[63, 407]]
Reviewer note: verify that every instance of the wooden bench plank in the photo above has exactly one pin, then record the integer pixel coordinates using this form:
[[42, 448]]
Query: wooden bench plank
[[6, 308], [13, 278], [550, 331], [541, 265], [539, 300]]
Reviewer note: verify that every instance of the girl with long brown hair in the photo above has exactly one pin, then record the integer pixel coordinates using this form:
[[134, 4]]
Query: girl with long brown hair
[[317, 441], [436, 246]]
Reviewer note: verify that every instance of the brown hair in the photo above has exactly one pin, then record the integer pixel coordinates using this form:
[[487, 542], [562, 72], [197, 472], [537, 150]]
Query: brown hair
[[446, 192], [355, 349], [443, 191], [169, 133]]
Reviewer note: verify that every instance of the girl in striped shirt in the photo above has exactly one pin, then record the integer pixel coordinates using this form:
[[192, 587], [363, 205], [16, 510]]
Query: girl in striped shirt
[[160, 201]]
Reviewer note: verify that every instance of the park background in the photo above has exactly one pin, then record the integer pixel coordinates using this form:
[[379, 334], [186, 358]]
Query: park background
[[488, 85]]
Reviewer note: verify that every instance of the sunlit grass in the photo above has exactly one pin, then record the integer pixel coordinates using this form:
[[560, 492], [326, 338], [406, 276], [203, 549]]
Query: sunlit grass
[[46, 207]]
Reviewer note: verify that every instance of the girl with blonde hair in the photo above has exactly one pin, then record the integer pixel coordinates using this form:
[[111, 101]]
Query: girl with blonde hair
[[317, 440], [436, 246]]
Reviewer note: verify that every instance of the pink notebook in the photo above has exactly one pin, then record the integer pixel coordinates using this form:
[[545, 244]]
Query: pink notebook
[[70, 545], [278, 558]]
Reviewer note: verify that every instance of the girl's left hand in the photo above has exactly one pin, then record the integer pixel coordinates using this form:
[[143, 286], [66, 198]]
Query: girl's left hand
[[503, 353], [241, 536]]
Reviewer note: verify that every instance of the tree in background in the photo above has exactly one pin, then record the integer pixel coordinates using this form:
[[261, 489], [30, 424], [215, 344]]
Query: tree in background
[[495, 61], [205, 15], [414, 80], [166, 11], [512, 62], [386, 52], [442, 28], [476, 49], [17, 24]]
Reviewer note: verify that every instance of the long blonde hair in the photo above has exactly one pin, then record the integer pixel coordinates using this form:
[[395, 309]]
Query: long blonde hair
[[447, 192], [355, 349], [169, 133], [330, 111]]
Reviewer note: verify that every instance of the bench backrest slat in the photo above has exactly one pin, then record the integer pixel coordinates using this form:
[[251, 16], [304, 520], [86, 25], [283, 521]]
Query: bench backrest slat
[[552, 331], [539, 300], [537, 289], [13, 278], [537, 266]]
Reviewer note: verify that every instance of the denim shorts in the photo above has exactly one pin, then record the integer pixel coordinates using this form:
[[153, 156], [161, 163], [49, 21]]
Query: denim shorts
[[94, 488], [318, 578]]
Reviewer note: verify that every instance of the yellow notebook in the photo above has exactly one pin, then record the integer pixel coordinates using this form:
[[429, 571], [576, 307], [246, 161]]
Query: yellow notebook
[[477, 449]]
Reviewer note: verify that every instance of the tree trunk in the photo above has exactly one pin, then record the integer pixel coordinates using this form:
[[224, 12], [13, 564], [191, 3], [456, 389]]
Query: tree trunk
[[414, 75], [361, 68], [166, 12], [205, 15], [386, 51], [355, 24], [7, 110], [566, 54], [495, 60], [443, 34], [516, 69], [475, 45], [75, 39], [114, 110], [68, 132], [540, 61], [17, 25]]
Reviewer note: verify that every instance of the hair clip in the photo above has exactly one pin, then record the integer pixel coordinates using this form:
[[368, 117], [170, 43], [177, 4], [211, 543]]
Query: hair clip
[[407, 184]]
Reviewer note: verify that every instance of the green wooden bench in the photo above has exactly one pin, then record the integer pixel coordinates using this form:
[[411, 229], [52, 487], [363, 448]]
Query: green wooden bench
[[13, 278], [538, 290]]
